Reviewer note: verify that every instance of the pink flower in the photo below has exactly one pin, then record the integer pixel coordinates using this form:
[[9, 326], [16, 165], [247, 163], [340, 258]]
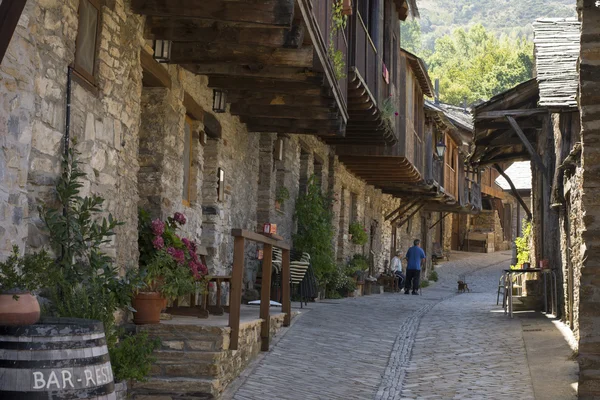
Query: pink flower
[[179, 218], [158, 227], [178, 255], [396, 113], [158, 243]]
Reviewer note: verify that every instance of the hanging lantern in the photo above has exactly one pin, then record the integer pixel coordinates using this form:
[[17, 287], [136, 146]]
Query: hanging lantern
[[440, 149], [219, 101], [162, 50]]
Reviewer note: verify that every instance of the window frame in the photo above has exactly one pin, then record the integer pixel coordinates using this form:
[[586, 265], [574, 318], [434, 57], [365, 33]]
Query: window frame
[[80, 71], [187, 202]]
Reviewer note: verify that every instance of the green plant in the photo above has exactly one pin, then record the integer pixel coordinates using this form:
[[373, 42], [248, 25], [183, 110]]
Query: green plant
[[359, 263], [315, 231], [26, 273], [433, 276], [338, 24], [424, 283], [359, 233], [132, 357], [85, 282], [522, 244], [282, 195], [170, 263]]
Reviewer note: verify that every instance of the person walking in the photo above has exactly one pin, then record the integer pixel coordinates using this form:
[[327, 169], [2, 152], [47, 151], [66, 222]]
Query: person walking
[[396, 268], [415, 256]]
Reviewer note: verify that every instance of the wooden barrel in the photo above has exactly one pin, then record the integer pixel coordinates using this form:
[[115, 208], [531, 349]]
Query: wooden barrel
[[57, 358]]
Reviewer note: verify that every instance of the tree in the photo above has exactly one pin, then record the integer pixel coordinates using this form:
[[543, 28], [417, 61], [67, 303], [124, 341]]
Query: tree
[[476, 65]]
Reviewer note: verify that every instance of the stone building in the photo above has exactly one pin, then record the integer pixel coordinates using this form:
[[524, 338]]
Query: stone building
[[85, 74]]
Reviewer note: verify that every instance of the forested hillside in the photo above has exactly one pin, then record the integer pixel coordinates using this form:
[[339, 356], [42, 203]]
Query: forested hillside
[[511, 17], [478, 48]]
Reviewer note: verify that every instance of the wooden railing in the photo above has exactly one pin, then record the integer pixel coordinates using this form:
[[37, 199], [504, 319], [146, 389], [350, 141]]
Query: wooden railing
[[237, 277], [364, 55]]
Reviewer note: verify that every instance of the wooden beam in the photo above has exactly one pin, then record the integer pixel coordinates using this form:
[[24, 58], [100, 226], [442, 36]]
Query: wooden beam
[[487, 124], [291, 123], [192, 108], [263, 85], [10, 12], [439, 220], [279, 99], [212, 126], [178, 29], [256, 71], [410, 216], [401, 209], [514, 190], [264, 12], [154, 74], [534, 155], [288, 112], [513, 113], [199, 53]]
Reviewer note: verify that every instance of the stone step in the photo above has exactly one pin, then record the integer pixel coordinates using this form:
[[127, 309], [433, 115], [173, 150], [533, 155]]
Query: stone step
[[171, 388]]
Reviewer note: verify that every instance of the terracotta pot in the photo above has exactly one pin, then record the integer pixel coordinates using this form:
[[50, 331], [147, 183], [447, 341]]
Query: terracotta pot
[[148, 306], [24, 311]]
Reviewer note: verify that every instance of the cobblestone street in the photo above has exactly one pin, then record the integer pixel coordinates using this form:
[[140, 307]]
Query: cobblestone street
[[441, 345]]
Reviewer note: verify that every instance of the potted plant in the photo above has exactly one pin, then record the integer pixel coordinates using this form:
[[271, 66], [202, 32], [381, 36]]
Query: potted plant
[[358, 233], [19, 277], [280, 197], [170, 266]]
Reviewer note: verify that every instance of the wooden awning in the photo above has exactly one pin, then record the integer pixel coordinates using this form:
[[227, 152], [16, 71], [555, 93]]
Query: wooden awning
[[507, 125], [268, 55], [420, 70]]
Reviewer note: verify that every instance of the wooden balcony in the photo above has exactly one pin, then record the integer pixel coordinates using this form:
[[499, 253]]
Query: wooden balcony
[[270, 56]]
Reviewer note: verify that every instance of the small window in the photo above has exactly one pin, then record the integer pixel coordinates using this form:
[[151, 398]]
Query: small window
[[220, 185], [187, 163], [87, 39]]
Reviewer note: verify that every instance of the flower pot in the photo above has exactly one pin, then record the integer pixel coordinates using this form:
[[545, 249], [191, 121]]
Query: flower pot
[[148, 306], [24, 311]]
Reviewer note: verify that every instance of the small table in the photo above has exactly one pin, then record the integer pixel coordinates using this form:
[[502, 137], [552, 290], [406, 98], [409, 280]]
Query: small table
[[216, 309], [508, 288]]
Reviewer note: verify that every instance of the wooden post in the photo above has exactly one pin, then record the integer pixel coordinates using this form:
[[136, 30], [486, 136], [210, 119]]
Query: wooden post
[[286, 304], [514, 190], [534, 155], [265, 296], [237, 275]]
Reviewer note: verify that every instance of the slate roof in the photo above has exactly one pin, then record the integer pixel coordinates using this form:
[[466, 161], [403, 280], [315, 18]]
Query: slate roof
[[557, 46], [520, 175]]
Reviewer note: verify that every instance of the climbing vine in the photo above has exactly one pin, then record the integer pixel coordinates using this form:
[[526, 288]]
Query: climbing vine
[[338, 24]]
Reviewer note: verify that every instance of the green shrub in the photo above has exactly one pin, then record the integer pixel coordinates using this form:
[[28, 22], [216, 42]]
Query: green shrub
[[359, 233], [315, 231], [522, 243], [433, 276], [132, 357], [424, 283], [23, 273]]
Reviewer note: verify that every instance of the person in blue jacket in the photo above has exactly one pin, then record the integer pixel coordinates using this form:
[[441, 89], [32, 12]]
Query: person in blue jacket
[[415, 256]]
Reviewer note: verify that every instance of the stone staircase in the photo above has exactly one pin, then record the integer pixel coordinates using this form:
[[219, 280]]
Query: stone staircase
[[195, 362]]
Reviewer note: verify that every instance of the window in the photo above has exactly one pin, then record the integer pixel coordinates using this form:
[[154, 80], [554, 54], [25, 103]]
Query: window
[[187, 162], [87, 39], [220, 185]]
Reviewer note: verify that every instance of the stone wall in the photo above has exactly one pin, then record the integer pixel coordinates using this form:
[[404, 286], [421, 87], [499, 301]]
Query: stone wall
[[104, 118], [131, 140], [589, 102]]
